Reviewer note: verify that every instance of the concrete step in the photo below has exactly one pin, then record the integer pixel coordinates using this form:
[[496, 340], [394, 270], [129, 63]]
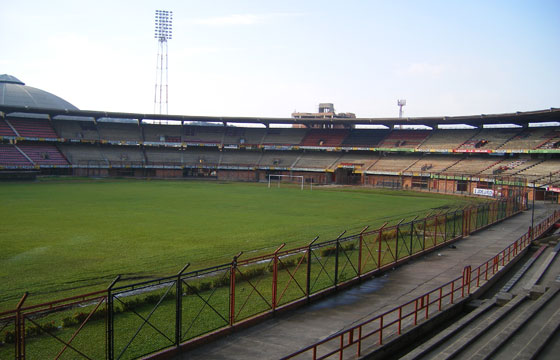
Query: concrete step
[[504, 337], [465, 343], [450, 331]]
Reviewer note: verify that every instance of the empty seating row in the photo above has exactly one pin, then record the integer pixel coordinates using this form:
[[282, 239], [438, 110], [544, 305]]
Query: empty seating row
[[39, 128], [43, 154], [11, 156], [324, 137], [405, 138], [5, 129]]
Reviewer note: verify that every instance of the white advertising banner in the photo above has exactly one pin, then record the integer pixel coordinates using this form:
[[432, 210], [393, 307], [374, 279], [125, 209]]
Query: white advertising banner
[[485, 192]]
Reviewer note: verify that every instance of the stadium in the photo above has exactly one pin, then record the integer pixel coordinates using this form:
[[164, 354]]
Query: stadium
[[459, 176]]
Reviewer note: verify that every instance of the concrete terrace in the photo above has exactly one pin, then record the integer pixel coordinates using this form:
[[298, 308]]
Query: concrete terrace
[[289, 332]]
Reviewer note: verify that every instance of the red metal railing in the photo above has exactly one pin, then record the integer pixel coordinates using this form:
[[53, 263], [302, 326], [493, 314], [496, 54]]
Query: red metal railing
[[371, 332]]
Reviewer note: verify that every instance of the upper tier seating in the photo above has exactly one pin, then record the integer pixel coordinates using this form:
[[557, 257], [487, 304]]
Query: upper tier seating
[[283, 136], [5, 129], [10, 156], [43, 154], [365, 137], [447, 138], [531, 138], [324, 137], [490, 139], [70, 129], [162, 133], [203, 134], [405, 138], [119, 131], [240, 136], [552, 141], [33, 128]]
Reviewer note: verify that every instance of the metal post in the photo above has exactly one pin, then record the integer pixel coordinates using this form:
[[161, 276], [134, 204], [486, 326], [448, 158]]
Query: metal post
[[20, 329], [533, 212], [336, 258], [232, 289], [179, 306], [308, 285], [110, 341], [275, 276], [360, 250]]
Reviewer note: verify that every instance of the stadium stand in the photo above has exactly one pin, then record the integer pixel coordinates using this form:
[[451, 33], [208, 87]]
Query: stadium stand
[[394, 163], [490, 139], [201, 157], [11, 156], [164, 156], [122, 154], [162, 133], [114, 131], [240, 158], [447, 139], [5, 129], [79, 130], [405, 138], [365, 137], [530, 138], [283, 159], [324, 137], [84, 154], [434, 163], [35, 128], [283, 136], [43, 154], [203, 134], [472, 165], [316, 160]]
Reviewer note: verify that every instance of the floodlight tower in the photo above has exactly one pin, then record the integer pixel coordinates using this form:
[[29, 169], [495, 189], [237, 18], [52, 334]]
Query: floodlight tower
[[401, 103], [163, 33]]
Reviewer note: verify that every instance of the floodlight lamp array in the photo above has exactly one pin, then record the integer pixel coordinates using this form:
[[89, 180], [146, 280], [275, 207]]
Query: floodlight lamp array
[[164, 22]]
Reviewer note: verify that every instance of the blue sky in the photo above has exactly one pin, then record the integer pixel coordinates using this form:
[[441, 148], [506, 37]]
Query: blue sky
[[269, 58]]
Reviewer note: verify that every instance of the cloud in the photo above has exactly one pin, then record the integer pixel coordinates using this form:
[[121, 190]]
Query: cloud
[[242, 19]]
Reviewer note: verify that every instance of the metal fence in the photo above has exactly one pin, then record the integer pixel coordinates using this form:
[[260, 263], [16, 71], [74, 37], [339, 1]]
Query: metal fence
[[372, 332], [134, 320]]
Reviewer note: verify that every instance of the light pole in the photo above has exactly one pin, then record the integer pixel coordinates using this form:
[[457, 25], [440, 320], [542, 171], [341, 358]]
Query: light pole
[[163, 33]]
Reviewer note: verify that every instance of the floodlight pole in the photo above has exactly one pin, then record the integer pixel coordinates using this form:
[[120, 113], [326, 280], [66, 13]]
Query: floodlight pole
[[163, 33], [401, 103]]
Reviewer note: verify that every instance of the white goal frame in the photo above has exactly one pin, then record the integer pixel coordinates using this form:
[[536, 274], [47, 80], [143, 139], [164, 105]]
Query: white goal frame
[[280, 177]]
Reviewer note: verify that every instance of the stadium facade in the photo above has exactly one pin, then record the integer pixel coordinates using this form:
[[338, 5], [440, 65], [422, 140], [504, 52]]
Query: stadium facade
[[41, 133]]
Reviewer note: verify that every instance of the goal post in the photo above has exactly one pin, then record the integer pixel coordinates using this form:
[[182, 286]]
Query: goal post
[[293, 179]]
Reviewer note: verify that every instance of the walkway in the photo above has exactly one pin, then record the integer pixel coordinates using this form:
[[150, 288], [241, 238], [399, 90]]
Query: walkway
[[289, 332]]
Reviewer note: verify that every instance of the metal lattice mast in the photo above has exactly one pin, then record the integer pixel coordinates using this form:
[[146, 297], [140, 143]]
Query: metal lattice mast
[[163, 33]]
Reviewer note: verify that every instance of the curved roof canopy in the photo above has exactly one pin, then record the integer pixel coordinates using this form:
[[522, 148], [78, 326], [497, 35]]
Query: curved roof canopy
[[14, 92]]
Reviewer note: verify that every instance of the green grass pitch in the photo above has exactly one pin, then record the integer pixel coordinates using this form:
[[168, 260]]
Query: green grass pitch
[[65, 237]]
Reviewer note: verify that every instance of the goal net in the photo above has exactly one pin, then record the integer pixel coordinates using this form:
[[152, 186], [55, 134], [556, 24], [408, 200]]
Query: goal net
[[277, 180]]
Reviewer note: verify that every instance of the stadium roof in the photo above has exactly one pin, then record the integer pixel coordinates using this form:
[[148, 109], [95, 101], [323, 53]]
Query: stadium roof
[[14, 92], [518, 118], [18, 99]]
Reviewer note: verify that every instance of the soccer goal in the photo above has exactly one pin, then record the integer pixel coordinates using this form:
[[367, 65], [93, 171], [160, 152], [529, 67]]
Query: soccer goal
[[285, 179]]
